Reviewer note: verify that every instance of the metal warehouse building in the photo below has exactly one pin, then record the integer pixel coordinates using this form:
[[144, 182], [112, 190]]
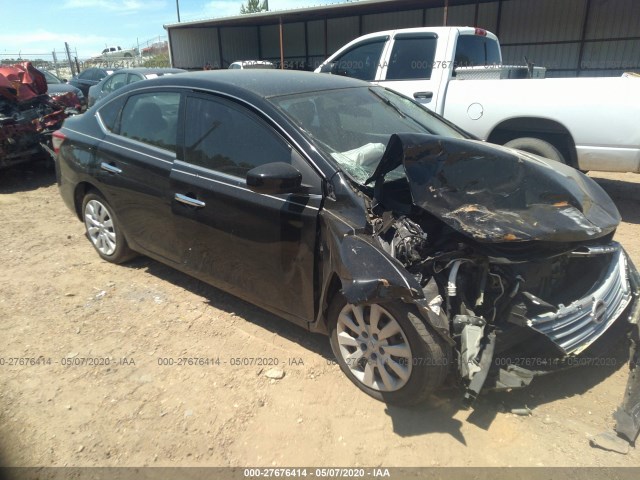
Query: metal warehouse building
[[569, 37]]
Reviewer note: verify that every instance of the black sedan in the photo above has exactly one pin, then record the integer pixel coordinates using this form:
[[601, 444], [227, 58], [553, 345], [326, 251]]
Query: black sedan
[[125, 76], [353, 211]]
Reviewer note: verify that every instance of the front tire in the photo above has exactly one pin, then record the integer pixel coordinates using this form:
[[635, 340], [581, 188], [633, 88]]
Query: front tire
[[387, 350], [103, 230]]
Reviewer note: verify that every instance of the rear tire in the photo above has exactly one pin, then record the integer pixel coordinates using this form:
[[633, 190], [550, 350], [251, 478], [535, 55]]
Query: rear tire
[[103, 229], [537, 147], [387, 350]]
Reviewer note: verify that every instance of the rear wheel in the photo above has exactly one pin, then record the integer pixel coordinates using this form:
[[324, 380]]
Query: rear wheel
[[537, 147], [387, 350], [103, 229]]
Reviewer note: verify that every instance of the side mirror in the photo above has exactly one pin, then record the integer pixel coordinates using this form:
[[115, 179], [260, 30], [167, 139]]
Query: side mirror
[[274, 178]]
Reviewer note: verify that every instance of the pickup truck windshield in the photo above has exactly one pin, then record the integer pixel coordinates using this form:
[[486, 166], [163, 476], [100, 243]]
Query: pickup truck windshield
[[354, 125]]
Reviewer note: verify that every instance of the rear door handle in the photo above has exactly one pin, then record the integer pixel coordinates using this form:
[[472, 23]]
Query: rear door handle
[[110, 168], [423, 95], [192, 202]]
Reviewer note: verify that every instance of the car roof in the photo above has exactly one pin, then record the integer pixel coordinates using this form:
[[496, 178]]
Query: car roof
[[262, 83], [144, 70]]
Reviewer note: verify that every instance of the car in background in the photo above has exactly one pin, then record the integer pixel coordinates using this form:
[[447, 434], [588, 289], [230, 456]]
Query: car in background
[[117, 52], [89, 77], [354, 211], [251, 65], [57, 87], [125, 76]]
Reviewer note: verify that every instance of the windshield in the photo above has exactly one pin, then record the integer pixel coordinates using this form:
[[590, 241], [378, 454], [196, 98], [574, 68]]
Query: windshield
[[354, 125], [51, 78]]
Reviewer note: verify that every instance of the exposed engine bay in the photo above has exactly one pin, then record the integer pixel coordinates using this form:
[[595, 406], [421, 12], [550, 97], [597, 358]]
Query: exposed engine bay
[[504, 286]]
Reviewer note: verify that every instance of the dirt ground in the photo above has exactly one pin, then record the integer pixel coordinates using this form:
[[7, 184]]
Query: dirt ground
[[60, 302]]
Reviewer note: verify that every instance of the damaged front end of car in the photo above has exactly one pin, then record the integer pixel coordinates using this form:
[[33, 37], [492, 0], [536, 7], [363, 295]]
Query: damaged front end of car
[[506, 255], [28, 116]]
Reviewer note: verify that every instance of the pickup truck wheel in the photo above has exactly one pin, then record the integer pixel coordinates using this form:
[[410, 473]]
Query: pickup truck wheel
[[537, 147], [127, 55], [103, 230], [387, 350]]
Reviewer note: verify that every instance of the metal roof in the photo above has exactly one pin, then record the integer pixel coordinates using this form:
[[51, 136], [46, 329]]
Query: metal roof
[[319, 12]]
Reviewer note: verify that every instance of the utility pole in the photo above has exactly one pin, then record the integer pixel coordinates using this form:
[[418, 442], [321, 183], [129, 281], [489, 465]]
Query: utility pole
[[178, 9], [66, 47]]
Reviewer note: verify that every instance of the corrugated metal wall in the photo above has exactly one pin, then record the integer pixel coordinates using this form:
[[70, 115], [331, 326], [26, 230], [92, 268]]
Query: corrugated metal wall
[[194, 47], [569, 37]]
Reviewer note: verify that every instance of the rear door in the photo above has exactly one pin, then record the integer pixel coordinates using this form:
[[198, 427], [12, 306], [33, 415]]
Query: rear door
[[412, 68], [260, 247], [135, 160]]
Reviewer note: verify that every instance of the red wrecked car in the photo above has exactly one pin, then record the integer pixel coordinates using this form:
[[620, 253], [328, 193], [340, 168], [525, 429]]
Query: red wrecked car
[[28, 115]]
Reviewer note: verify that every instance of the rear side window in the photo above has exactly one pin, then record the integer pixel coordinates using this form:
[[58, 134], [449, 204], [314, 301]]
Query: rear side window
[[412, 57], [115, 82], [474, 50], [228, 139], [152, 118], [362, 60], [99, 75]]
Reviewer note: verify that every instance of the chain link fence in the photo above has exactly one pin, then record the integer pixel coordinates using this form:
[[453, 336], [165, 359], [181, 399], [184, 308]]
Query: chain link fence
[[64, 63]]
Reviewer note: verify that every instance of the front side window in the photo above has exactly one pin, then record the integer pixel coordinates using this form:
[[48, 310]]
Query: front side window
[[226, 138], [87, 74], [152, 118], [412, 57], [362, 60]]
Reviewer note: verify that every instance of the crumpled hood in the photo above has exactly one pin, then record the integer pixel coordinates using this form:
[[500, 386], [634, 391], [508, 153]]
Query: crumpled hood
[[495, 194]]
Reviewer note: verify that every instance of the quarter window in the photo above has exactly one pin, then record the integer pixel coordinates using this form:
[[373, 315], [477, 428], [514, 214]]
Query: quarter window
[[228, 139], [152, 118], [110, 112]]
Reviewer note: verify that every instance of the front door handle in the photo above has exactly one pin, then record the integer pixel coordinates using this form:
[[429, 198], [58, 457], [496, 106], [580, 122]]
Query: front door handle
[[192, 202], [423, 95], [107, 167]]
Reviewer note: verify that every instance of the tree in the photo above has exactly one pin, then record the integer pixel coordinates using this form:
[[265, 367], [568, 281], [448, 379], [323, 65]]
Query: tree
[[254, 6]]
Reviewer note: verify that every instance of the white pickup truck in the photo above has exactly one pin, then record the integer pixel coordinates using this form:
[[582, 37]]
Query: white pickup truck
[[589, 123]]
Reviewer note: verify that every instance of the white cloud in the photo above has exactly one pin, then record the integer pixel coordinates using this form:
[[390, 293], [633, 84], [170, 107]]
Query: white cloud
[[43, 41]]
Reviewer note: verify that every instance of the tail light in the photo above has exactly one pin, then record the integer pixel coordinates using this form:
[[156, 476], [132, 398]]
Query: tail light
[[481, 32], [56, 139]]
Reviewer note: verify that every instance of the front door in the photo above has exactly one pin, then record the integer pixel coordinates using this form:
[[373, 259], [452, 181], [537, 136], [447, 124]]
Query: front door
[[259, 247]]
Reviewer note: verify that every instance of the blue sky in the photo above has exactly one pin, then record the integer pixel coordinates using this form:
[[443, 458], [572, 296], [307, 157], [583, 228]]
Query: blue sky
[[40, 26]]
